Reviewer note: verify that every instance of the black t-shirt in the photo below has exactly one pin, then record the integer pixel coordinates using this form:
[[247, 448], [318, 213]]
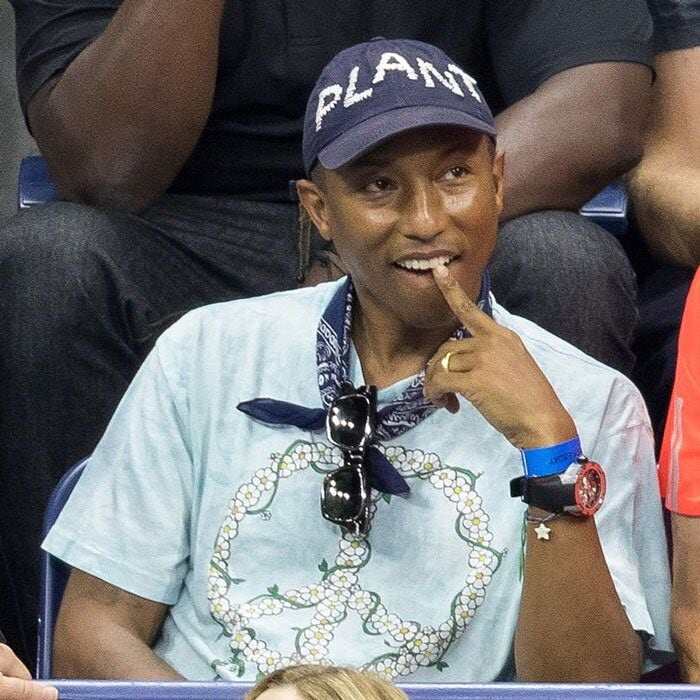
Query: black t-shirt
[[272, 52], [676, 24]]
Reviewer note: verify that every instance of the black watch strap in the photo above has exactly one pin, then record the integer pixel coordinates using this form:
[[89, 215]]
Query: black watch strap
[[546, 492]]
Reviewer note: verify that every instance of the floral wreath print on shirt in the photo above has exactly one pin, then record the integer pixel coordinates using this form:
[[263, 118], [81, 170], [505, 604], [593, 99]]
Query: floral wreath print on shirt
[[338, 593]]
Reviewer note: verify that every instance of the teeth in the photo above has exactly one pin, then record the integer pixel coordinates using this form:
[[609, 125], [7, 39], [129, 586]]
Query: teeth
[[421, 265]]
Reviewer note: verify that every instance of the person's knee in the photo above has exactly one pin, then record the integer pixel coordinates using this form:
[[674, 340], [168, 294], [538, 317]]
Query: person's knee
[[571, 277], [52, 261], [555, 247], [52, 246]]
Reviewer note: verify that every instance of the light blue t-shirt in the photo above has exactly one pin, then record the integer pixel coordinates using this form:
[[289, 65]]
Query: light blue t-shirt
[[189, 502]]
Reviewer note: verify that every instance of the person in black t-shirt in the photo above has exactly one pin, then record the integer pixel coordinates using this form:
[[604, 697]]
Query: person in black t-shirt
[[172, 130]]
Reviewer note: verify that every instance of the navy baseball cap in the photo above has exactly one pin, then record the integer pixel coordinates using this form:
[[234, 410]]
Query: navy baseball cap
[[380, 88]]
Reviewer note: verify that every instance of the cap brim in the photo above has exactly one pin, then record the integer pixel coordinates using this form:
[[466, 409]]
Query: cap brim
[[367, 134]]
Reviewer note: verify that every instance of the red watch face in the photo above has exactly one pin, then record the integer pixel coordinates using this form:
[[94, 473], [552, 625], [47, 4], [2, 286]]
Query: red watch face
[[589, 489]]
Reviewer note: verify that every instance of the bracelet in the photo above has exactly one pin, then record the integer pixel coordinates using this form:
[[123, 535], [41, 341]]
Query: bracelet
[[541, 530], [553, 459], [535, 519]]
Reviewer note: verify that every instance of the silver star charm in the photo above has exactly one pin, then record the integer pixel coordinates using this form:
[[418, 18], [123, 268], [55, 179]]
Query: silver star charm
[[543, 531]]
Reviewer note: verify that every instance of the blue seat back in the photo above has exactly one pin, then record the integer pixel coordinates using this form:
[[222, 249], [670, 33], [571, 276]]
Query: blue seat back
[[608, 209], [54, 573], [35, 184]]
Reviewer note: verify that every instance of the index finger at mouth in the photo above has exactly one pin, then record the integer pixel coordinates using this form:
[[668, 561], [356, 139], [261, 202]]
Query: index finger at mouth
[[468, 313]]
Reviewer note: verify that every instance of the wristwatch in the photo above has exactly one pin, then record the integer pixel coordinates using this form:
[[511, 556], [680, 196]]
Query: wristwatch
[[579, 490]]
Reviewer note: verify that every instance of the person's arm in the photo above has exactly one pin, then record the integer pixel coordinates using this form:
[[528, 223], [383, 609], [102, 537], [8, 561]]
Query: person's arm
[[685, 610], [572, 625], [105, 632], [576, 132], [665, 186], [16, 682], [117, 125]]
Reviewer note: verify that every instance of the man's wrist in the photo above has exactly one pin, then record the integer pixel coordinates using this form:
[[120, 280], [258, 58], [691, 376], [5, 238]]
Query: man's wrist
[[579, 489], [552, 459]]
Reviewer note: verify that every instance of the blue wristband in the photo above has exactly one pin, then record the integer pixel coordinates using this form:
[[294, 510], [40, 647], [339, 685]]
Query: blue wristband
[[554, 459]]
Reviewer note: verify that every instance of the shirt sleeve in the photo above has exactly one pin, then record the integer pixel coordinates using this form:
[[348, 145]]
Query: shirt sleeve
[[127, 521], [531, 40], [49, 35], [630, 522], [679, 461], [676, 24]]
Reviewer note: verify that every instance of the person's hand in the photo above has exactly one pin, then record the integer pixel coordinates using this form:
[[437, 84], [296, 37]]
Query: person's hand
[[15, 681], [494, 371]]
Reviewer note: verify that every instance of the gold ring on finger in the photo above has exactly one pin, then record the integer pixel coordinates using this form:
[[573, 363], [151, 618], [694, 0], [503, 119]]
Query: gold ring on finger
[[445, 362]]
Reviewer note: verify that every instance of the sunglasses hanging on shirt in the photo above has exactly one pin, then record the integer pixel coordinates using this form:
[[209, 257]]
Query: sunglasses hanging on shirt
[[350, 425]]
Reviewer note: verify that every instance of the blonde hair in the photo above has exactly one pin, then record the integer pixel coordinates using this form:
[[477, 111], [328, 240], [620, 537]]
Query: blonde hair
[[329, 683]]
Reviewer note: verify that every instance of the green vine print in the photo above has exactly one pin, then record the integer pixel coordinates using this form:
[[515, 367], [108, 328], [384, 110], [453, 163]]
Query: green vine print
[[338, 593]]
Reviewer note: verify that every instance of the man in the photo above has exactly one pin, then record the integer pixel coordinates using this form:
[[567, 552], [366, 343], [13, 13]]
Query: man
[[197, 541], [173, 130]]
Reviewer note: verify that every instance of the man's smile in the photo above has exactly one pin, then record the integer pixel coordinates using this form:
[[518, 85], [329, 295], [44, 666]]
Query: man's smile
[[422, 263]]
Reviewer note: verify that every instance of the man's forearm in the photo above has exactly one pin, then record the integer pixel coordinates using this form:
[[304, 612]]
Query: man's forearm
[[572, 626], [685, 626], [108, 651], [118, 124], [580, 129], [103, 631], [665, 187], [685, 612], [665, 198]]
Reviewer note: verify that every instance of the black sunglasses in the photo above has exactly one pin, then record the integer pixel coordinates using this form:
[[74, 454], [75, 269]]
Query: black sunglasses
[[345, 499]]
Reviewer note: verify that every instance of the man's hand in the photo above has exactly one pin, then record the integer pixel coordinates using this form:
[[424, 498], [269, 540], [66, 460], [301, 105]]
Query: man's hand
[[494, 371], [16, 682]]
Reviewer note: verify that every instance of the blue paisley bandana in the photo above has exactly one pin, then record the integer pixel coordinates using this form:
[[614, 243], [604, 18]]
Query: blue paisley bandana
[[332, 357]]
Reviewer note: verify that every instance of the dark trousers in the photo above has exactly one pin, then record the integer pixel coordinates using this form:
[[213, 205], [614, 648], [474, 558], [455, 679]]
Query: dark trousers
[[85, 293], [663, 289]]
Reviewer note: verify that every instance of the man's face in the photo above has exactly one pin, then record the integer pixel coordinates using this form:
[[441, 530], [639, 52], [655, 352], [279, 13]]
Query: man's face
[[427, 196]]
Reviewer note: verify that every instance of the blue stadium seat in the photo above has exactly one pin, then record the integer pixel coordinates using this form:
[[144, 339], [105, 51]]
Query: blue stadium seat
[[609, 209], [54, 573], [35, 185]]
